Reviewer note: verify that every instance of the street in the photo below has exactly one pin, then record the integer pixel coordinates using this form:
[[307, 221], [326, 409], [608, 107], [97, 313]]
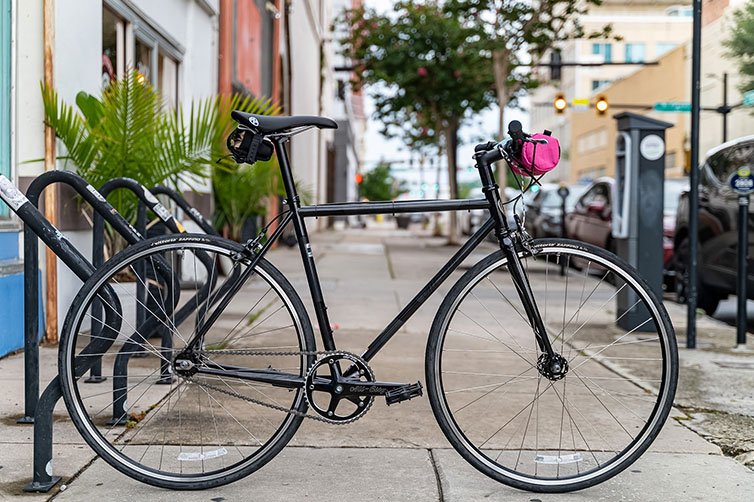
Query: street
[[399, 453]]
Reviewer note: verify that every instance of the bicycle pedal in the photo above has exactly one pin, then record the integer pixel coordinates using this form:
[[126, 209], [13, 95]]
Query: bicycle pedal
[[403, 393]]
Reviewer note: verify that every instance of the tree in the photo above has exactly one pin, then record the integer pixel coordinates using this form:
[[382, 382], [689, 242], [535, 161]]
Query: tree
[[379, 184], [435, 72], [741, 44], [513, 29]]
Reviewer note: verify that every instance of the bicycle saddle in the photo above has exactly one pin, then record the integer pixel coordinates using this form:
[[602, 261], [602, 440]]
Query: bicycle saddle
[[266, 124]]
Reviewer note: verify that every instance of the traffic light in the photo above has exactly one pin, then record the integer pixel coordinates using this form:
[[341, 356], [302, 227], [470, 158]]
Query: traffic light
[[601, 105], [560, 103], [359, 178], [555, 65]]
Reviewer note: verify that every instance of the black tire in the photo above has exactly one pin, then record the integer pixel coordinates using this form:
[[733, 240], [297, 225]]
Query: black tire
[[188, 444], [454, 340]]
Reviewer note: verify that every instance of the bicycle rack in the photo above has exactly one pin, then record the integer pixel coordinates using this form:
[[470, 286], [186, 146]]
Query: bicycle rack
[[152, 323], [38, 409]]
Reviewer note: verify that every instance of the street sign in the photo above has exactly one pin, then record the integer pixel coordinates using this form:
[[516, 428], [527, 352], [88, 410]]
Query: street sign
[[742, 181], [672, 106], [749, 98]]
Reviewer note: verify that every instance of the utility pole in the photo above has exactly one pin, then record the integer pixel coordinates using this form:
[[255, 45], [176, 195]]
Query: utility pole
[[696, 56], [725, 109]]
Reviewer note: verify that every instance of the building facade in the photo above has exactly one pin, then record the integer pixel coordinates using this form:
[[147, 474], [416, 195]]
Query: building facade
[[188, 50], [593, 137], [642, 31]]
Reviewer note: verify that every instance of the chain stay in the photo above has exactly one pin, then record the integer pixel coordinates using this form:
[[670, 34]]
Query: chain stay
[[270, 405]]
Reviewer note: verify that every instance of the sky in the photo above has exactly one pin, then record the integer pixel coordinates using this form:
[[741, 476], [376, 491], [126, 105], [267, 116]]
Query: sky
[[484, 125]]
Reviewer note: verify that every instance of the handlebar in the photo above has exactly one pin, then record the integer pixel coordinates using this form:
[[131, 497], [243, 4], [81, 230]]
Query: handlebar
[[492, 152]]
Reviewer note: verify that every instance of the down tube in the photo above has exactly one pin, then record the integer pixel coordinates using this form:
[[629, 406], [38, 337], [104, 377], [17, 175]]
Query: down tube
[[422, 296]]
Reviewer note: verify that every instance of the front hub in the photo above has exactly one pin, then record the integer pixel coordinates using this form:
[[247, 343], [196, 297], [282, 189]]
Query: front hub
[[553, 367]]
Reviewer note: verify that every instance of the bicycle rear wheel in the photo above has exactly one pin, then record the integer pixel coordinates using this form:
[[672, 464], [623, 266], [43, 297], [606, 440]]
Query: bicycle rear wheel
[[161, 422], [513, 419]]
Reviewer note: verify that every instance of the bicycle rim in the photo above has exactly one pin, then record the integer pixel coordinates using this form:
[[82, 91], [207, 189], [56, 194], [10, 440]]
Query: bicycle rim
[[529, 429], [162, 425]]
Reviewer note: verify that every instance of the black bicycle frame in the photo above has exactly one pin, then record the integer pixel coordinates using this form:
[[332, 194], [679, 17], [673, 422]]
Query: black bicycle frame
[[297, 213]]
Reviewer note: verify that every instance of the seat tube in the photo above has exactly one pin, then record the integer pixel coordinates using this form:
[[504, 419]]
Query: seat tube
[[304, 245]]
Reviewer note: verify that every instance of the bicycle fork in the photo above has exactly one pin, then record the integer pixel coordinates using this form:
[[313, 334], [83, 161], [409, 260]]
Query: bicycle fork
[[550, 364]]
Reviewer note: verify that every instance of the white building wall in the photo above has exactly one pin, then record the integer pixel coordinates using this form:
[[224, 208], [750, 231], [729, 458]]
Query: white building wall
[[77, 67], [311, 93]]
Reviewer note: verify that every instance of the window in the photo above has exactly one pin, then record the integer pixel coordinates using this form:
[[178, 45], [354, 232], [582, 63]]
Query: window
[[596, 84], [143, 60], [128, 41], [679, 11], [636, 53], [663, 47], [167, 80], [598, 195], [113, 46], [604, 50]]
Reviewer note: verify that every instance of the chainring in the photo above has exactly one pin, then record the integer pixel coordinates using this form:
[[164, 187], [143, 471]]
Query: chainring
[[351, 408]]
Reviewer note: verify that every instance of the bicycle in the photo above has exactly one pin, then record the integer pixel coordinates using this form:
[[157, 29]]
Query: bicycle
[[504, 346]]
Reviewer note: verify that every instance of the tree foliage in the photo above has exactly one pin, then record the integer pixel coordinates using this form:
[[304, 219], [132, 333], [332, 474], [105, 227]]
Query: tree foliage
[[741, 44], [379, 184], [128, 132], [435, 72], [514, 30]]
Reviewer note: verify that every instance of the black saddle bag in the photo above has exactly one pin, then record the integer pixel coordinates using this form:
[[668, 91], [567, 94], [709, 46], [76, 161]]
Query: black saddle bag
[[247, 147]]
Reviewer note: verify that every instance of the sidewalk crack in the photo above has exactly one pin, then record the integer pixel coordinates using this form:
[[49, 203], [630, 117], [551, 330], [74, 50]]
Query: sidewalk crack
[[438, 477]]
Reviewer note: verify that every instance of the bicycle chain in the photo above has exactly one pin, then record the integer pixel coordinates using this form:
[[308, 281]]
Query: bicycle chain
[[275, 406]]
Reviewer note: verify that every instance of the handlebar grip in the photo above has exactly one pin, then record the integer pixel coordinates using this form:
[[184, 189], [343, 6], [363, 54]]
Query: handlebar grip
[[516, 130], [483, 147]]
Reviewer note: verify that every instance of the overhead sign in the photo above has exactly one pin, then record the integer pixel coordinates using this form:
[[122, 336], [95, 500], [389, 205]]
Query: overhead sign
[[672, 106], [749, 98], [742, 181]]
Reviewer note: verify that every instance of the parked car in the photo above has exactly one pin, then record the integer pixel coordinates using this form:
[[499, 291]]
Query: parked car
[[591, 218], [718, 227], [674, 187], [545, 211]]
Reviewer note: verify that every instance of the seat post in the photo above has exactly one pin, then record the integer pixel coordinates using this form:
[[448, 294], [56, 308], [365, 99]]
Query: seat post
[[304, 246]]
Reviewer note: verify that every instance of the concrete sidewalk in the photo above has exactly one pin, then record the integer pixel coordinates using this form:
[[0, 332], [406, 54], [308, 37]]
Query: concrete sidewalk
[[399, 453]]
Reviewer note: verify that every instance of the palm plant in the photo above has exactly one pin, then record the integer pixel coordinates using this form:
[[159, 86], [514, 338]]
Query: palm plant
[[129, 132]]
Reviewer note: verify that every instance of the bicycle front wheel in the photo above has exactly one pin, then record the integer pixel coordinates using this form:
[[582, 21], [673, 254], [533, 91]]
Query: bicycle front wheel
[[179, 418], [509, 415]]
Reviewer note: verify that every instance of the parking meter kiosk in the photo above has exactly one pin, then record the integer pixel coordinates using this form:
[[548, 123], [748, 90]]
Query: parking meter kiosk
[[638, 207]]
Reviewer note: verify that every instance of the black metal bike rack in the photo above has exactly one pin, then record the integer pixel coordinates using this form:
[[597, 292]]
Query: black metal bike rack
[[37, 227], [38, 410]]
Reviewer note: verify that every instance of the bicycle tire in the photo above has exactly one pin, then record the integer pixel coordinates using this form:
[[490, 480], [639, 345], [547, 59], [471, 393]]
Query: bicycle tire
[[173, 412], [467, 389]]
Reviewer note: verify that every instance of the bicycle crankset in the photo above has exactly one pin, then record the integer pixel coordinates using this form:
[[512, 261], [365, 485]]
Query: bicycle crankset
[[334, 396]]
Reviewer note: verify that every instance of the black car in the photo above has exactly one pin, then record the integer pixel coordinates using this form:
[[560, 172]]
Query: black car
[[718, 227]]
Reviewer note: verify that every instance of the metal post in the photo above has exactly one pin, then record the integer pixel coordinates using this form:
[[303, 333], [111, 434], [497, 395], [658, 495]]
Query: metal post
[[743, 248], [694, 177], [563, 192], [31, 325], [726, 110]]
